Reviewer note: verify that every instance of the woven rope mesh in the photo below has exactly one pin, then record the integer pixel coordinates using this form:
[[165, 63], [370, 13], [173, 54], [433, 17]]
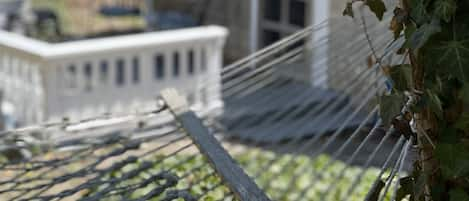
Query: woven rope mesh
[[297, 141], [137, 164]]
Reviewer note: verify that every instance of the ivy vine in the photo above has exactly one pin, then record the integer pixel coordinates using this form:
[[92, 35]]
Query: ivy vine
[[436, 35]]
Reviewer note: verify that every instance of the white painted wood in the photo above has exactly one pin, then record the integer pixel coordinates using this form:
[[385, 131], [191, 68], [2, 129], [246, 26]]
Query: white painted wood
[[51, 80], [254, 26], [321, 12]]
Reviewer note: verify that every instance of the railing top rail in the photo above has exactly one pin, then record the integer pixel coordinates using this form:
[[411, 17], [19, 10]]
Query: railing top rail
[[23, 44], [106, 44]]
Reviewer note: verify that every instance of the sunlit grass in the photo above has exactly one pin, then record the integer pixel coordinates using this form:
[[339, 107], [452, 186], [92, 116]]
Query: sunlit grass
[[274, 179]]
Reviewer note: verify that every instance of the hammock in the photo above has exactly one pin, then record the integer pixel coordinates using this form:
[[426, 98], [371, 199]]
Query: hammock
[[276, 139]]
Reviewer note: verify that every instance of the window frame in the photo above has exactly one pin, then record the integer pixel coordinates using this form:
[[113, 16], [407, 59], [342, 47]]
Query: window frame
[[176, 64], [88, 75], [159, 66], [104, 71], [120, 72], [136, 70]]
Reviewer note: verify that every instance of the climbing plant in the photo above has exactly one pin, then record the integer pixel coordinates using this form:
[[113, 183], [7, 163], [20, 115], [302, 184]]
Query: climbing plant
[[434, 87]]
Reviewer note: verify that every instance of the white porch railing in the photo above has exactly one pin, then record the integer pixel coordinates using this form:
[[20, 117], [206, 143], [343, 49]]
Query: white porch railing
[[116, 74]]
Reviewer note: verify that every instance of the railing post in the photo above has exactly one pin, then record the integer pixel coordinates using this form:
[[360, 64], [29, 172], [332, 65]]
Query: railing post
[[318, 13], [214, 61]]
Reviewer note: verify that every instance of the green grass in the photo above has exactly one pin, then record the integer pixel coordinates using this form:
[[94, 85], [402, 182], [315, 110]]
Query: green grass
[[274, 179]]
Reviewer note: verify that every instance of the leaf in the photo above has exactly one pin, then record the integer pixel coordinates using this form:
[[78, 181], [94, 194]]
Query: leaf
[[390, 106], [348, 11], [463, 122], [401, 76], [396, 27], [398, 20], [438, 191], [420, 37], [377, 7], [418, 11], [464, 92], [434, 102], [419, 187], [445, 9], [458, 195], [409, 31], [452, 56], [449, 135], [454, 159]]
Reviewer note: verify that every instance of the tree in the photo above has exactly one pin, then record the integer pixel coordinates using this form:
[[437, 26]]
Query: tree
[[436, 81]]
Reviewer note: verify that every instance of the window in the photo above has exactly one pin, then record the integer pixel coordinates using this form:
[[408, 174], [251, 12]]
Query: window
[[270, 37], [135, 70], [281, 18], [158, 71], [297, 12], [272, 9], [203, 60], [88, 76], [176, 64], [120, 72], [190, 63], [72, 76], [103, 68]]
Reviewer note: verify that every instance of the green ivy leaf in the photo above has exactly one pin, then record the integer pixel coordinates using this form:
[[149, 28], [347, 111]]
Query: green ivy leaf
[[420, 37], [418, 12], [390, 106], [396, 27], [458, 195], [438, 191], [377, 7], [401, 76], [419, 187], [453, 55], [445, 9], [454, 159], [434, 102], [449, 135], [464, 92], [463, 122]]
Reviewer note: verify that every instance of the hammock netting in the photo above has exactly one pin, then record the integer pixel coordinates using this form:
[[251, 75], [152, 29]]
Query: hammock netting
[[284, 139]]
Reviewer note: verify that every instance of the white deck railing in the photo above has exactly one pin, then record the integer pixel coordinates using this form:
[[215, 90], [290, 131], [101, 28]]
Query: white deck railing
[[116, 74]]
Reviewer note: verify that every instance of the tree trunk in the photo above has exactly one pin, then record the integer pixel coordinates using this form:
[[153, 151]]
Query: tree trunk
[[427, 128]]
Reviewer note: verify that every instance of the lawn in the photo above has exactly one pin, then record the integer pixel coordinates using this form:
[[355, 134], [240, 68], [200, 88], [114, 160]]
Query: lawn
[[274, 180], [191, 172]]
